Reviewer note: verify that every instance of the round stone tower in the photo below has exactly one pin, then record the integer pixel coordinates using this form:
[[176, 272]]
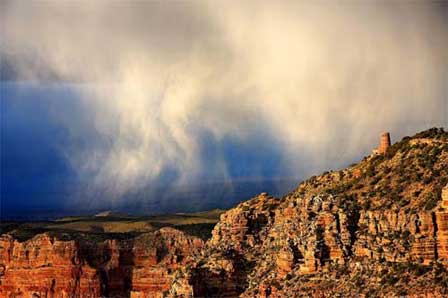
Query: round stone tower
[[384, 143], [445, 197]]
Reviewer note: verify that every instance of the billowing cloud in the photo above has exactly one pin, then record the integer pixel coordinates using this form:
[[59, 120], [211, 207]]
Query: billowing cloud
[[318, 80]]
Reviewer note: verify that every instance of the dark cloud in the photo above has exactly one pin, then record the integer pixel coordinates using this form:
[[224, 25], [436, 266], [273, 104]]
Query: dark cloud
[[186, 91]]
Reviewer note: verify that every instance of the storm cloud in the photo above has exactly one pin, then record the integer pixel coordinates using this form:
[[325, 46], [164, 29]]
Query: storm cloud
[[163, 84]]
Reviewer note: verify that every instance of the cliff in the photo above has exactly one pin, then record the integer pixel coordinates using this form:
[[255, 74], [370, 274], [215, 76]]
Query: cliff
[[47, 267], [376, 229], [43, 267]]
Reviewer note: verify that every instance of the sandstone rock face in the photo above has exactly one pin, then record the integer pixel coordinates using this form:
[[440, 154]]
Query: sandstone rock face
[[378, 229], [44, 267], [246, 225], [156, 257], [232, 250], [316, 239], [141, 267]]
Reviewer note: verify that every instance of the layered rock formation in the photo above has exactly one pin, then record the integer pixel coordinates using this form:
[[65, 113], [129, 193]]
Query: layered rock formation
[[157, 256], [377, 229], [45, 267], [140, 267]]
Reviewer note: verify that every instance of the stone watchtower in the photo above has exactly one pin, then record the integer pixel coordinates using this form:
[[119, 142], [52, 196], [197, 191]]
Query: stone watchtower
[[445, 197], [384, 143]]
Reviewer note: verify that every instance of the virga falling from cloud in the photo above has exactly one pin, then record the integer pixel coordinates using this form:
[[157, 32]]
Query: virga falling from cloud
[[322, 79]]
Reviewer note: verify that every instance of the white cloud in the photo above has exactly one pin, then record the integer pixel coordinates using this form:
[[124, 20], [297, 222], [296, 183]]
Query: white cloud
[[324, 79]]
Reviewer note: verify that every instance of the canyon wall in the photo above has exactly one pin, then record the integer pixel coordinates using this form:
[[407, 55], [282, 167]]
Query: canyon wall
[[376, 229], [44, 267], [47, 267]]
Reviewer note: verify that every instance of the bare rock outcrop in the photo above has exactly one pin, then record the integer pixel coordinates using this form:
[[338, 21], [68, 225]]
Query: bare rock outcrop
[[47, 267], [377, 229]]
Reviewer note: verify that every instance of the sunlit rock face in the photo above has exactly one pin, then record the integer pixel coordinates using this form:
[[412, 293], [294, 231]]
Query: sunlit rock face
[[378, 228], [46, 267], [156, 258]]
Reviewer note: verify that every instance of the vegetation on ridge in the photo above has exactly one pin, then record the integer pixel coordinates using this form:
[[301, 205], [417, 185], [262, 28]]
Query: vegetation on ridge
[[375, 229], [411, 175]]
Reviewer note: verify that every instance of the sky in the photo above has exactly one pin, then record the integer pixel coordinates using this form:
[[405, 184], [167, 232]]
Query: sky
[[172, 106]]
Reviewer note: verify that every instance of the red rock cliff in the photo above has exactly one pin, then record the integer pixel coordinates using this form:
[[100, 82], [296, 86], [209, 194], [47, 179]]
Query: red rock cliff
[[45, 267], [140, 267], [377, 229]]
